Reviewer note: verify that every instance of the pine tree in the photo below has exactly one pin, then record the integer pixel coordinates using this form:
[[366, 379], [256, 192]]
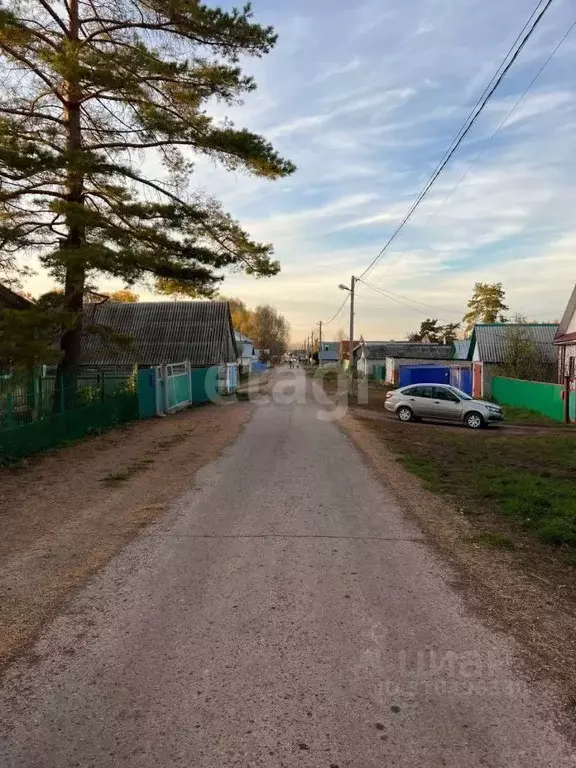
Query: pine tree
[[88, 88], [486, 305]]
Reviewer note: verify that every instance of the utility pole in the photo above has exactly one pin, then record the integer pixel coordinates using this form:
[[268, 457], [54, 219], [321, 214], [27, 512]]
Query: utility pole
[[350, 356], [320, 344], [353, 281]]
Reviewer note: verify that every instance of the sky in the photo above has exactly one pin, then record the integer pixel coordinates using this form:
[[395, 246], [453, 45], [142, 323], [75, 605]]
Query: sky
[[365, 98]]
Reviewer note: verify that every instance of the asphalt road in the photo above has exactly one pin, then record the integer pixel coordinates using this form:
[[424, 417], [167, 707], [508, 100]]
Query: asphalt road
[[284, 613]]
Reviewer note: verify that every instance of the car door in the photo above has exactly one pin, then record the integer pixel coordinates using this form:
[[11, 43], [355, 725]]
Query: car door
[[446, 404], [419, 398]]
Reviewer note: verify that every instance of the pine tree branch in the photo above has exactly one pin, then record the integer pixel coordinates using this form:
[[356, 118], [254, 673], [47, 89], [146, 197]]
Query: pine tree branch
[[186, 206], [30, 114], [40, 35], [35, 189], [48, 7], [33, 68]]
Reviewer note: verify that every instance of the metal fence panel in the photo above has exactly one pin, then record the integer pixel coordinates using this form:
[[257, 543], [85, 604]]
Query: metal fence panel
[[36, 415], [534, 395]]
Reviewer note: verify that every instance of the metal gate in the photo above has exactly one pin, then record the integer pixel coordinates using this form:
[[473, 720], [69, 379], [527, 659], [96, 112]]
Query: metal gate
[[423, 374]]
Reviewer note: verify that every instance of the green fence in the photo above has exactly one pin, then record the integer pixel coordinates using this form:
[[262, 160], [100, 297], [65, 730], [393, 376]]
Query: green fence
[[36, 415], [534, 395]]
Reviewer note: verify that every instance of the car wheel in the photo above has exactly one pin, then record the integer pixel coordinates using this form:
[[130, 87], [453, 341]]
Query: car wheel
[[474, 420], [404, 413]]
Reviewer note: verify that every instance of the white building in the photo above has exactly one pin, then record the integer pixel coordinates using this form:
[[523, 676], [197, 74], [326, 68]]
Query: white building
[[247, 353], [565, 340]]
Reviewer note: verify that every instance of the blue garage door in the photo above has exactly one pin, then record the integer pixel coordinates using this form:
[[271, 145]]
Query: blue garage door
[[424, 374]]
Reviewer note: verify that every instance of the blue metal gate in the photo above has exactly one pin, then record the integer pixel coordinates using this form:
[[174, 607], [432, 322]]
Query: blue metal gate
[[423, 374]]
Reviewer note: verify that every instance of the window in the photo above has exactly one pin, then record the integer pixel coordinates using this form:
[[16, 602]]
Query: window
[[445, 395], [419, 391]]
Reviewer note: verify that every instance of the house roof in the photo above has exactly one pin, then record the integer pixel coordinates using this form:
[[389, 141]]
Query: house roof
[[161, 332], [491, 340], [460, 349], [561, 334], [407, 349], [241, 337], [11, 300]]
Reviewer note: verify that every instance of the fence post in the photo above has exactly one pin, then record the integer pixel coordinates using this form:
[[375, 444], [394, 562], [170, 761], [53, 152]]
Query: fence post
[[567, 399], [9, 411], [165, 388], [189, 379], [62, 402]]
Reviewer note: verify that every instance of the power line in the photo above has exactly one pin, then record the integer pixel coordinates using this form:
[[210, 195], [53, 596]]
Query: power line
[[476, 111], [503, 123], [414, 301], [393, 298], [496, 132], [338, 311], [465, 128]]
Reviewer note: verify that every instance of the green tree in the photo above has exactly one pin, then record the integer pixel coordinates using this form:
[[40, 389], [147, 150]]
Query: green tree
[[87, 90], [125, 296], [450, 332], [523, 355], [180, 290], [486, 305], [430, 330], [270, 330]]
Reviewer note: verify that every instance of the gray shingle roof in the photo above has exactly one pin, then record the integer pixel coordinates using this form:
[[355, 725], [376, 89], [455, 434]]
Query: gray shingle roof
[[404, 349], [11, 300], [568, 315], [162, 332], [492, 339]]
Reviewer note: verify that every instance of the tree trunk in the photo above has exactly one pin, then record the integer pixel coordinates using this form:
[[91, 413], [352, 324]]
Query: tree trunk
[[75, 265]]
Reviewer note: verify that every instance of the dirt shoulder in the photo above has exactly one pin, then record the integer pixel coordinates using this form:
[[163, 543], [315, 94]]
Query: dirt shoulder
[[529, 591], [66, 513]]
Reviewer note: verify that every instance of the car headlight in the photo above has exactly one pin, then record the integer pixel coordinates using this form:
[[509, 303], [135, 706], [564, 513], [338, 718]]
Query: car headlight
[[494, 409]]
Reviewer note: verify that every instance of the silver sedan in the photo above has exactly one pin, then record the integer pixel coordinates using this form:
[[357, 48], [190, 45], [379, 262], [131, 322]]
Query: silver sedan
[[441, 401]]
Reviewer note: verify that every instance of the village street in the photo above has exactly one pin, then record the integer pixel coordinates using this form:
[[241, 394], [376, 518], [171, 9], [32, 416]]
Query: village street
[[284, 612]]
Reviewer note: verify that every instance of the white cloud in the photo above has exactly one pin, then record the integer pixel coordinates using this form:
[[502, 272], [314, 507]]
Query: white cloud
[[333, 70]]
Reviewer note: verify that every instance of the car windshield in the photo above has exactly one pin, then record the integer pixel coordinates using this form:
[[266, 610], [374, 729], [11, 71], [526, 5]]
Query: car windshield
[[461, 395]]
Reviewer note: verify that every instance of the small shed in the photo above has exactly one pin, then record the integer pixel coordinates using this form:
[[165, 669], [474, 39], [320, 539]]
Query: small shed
[[388, 356], [328, 352], [246, 351], [489, 346], [190, 344]]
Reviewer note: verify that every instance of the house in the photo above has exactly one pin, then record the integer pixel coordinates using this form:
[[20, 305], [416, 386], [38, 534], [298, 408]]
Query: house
[[247, 354], [387, 356], [460, 349], [163, 335], [328, 352], [489, 346], [565, 340], [11, 300]]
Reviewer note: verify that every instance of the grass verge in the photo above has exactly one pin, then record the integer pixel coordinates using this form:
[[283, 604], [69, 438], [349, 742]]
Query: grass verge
[[514, 415], [529, 480]]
